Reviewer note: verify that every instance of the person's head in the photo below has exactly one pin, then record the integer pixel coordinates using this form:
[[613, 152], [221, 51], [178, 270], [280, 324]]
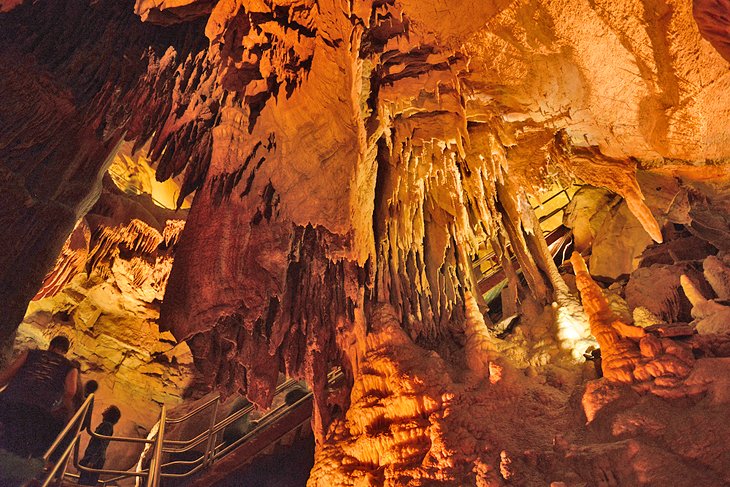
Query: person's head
[[90, 387], [111, 414], [294, 395], [59, 344]]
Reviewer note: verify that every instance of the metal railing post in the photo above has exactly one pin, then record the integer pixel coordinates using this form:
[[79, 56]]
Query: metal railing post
[[62, 474], [62, 463], [157, 440], [153, 477], [208, 458]]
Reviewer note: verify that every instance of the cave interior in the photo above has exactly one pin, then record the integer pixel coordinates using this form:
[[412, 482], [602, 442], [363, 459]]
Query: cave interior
[[503, 224]]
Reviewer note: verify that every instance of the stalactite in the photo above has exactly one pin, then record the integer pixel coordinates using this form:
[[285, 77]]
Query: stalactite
[[513, 224], [573, 327], [113, 242], [280, 278], [136, 236], [72, 261], [592, 167], [172, 231], [426, 236]]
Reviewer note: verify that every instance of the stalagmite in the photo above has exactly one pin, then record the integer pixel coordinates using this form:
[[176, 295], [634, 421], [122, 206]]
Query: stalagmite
[[628, 353], [619, 354], [481, 348], [392, 429]]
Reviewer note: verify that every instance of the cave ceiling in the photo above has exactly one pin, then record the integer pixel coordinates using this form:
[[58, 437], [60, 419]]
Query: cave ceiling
[[341, 153]]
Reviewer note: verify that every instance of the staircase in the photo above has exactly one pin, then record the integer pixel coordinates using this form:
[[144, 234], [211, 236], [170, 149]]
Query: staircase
[[207, 458]]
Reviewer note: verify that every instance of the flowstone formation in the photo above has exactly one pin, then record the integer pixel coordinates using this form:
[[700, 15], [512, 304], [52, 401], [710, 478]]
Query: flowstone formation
[[350, 160], [410, 423]]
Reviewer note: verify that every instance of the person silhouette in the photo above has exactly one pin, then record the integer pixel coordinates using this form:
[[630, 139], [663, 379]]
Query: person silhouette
[[95, 454], [39, 383]]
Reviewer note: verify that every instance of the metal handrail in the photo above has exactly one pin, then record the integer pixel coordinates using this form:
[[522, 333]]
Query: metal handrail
[[555, 195], [550, 215], [184, 445], [195, 411], [217, 426], [123, 474], [215, 452], [61, 465], [332, 377], [189, 444], [81, 412], [153, 479], [213, 449], [123, 439], [120, 474], [216, 398], [211, 453], [270, 418], [163, 445]]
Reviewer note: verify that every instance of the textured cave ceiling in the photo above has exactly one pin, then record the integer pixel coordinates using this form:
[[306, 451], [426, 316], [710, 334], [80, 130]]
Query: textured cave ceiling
[[346, 155]]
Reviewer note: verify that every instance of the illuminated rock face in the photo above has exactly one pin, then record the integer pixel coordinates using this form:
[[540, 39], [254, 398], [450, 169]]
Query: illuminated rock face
[[104, 294], [410, 423], [350, 158], [61, 123], [117, 342]]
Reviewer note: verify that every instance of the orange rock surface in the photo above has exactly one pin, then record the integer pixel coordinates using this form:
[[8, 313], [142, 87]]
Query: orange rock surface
[[349, 163]]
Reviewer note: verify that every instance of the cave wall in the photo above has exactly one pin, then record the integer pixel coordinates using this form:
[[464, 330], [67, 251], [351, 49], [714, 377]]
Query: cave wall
[[350, 155], [104, 294], [70, 82], [415, 91], [431, 114]]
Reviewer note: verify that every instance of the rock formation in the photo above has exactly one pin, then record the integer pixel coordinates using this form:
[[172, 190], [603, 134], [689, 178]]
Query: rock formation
[[711, 316], [349, 161], [104, 293]]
